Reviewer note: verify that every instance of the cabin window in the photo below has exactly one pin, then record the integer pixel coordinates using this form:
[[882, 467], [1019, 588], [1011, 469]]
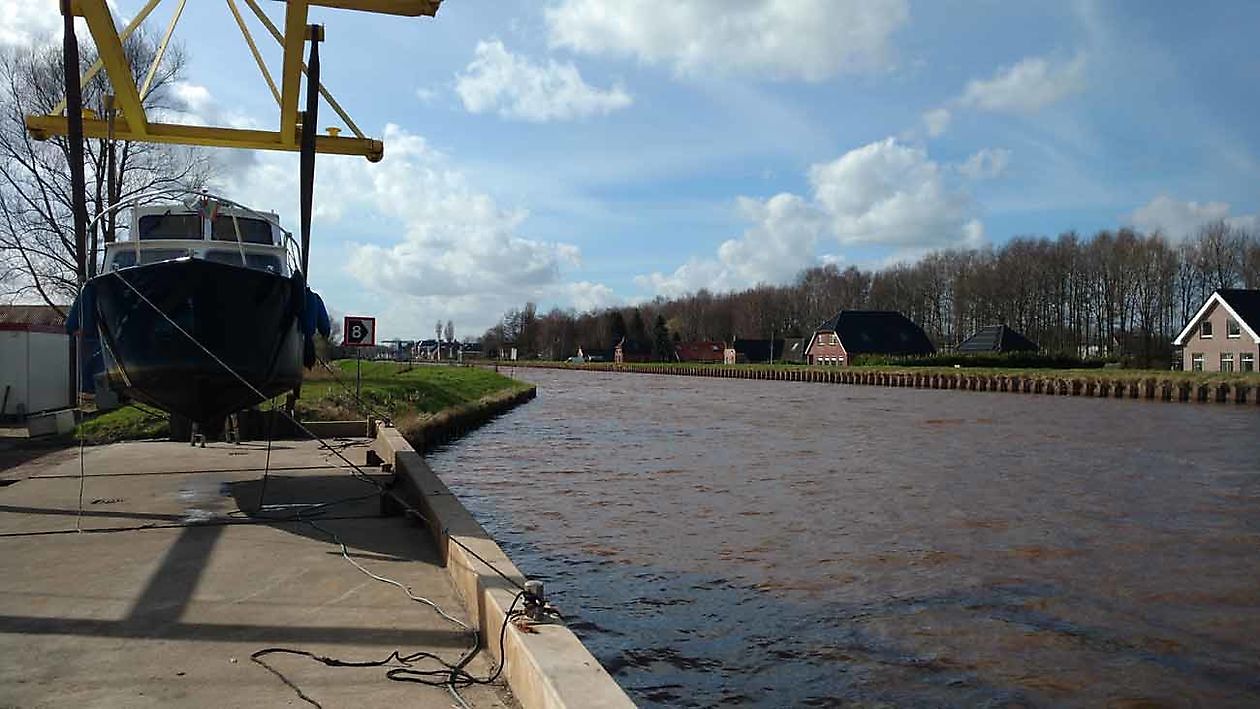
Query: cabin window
[[124, 259], [253, 231], [1233, 329], [1227, 361], [1247, 362], [170, 226], [835, 339], [155, 255], [1205, 329], [1196, 362]]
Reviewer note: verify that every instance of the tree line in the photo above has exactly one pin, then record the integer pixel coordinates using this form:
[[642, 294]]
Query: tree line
[[1119, 294]]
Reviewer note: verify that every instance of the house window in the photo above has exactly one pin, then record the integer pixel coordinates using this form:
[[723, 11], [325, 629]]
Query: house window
[[1196, 362], [1247, 362], [1205, 330], [835, 339], [1233, 329], [1227, 361]]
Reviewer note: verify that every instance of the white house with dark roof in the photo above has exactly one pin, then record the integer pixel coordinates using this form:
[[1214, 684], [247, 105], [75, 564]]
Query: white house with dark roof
[[1224, 336]]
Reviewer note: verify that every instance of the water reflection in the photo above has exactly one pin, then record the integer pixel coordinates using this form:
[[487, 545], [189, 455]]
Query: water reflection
[[772, 543]]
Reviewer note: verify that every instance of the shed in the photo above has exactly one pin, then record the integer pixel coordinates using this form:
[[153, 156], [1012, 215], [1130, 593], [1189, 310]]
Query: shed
[[35, 361], [997, 338]]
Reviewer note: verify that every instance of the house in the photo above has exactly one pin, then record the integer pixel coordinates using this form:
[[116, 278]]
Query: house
[[700, 351], [1224, 336], [996, 338], [757, 351], [793, 350], [854, 332]]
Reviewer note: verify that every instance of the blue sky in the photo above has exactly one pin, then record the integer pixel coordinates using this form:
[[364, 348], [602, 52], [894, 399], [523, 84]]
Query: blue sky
[[588, 152]]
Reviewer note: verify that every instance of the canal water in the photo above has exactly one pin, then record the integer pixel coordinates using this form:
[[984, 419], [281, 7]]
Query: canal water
[[741, 542]]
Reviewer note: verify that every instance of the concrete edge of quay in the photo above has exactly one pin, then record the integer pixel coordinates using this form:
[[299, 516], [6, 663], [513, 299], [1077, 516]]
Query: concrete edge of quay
[[547, 667], [1148, 389]]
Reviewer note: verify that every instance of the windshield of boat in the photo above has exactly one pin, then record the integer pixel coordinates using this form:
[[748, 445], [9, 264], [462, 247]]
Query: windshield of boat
[[253, 231], [170, 226], [262, 262]]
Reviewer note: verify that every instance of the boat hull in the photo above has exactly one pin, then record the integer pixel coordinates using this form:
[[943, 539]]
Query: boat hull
[[247, 318]]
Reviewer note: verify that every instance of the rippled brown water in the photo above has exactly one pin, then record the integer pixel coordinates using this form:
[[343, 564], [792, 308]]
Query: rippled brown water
[[723, 541]]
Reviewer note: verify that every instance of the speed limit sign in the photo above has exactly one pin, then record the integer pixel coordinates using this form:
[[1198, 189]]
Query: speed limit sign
[[359, 331]]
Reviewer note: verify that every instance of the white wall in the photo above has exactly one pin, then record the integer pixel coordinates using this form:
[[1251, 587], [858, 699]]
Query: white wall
[[36, 367]]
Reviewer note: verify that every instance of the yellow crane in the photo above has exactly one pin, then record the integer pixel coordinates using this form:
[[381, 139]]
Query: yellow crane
[[135, 124]]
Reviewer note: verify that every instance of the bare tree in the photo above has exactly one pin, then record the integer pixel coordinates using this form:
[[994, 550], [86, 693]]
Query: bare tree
[[450, 331], [36, 218]]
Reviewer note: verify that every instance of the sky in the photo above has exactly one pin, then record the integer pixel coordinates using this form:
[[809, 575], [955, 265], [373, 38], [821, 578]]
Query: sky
[[587, 153]]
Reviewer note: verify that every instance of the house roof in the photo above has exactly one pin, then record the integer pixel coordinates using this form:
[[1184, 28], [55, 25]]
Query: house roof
[[1242, 303], [877, 332], [793, 349], [758, 350], [997, 338]]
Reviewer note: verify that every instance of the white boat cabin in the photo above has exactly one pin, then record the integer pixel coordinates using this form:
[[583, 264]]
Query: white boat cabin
[[228, 235]]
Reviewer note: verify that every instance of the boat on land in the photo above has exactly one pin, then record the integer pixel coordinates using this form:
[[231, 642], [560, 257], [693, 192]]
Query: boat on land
[[202, 310]]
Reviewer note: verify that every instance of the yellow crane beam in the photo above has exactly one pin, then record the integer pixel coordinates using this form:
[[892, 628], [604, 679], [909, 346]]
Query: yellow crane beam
[[43, 127], [408, 8], [109, 48], [291, 68]]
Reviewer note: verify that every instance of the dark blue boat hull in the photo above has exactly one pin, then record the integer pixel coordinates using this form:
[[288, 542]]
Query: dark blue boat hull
[[248, 318]]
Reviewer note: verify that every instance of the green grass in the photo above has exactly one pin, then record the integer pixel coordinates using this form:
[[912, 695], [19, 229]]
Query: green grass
[[126, 424], [397, 390]]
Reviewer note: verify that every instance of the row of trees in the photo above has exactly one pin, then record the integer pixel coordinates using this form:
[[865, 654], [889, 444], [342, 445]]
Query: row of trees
[[1118, 294]]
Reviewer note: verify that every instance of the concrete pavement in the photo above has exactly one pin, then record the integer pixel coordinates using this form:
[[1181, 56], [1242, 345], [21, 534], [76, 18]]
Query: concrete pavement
[[169, 588]]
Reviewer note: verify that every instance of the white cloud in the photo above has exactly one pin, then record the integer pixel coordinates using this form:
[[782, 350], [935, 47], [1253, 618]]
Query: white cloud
[[1179, 220], [1026, 86], [28, 22], [936, 121], [781, 241], [431, 244], [891, 194], [783, 39], [986, 164], [883, 194], [585, 295], [516, 87]]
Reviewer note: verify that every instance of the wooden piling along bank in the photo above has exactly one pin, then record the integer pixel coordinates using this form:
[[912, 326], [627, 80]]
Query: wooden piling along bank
[[1150, 388]]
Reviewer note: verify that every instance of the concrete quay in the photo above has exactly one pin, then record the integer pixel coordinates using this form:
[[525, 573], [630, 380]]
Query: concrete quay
[[162, 597]]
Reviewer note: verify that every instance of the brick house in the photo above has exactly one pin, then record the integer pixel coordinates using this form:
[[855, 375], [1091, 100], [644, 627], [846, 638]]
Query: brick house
[[1224, 336], [853, 332]]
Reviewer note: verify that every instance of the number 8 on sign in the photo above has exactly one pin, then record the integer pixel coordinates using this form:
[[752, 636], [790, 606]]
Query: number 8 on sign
[[359, 331]]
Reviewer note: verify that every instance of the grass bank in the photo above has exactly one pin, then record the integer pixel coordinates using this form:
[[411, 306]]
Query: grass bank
[[410, 395], [1093, 374]]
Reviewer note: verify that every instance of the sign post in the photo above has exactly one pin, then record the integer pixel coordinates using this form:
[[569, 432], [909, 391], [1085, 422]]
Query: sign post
[[358, 331]]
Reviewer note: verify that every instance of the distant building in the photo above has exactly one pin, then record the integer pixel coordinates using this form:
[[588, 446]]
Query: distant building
[[700, 351], [854, 332], [997, 338], [793, 350], [1224, 336], [757, 351]]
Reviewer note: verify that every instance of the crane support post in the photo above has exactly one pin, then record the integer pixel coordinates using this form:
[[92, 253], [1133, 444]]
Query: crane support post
[[109, 48], [291, 69], [43, 127]]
